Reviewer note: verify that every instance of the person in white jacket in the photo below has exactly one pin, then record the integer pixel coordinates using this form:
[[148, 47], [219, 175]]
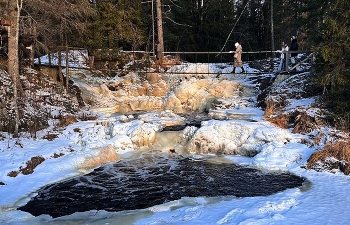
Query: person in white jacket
[[283, 51], [237, 58]]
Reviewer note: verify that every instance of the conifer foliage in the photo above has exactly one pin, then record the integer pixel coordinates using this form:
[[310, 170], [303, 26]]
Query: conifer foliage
[[117, 24], [333, 56]]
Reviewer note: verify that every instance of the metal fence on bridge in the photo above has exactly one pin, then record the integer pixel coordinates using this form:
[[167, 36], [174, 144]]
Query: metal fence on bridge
[[113, 60], [270, 61]]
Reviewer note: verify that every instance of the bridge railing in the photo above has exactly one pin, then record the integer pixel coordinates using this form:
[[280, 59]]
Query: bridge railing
[[113, 60], [271, 60]]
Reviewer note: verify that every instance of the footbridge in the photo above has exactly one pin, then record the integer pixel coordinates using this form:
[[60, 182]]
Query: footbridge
[[113, 61], [259, 61]]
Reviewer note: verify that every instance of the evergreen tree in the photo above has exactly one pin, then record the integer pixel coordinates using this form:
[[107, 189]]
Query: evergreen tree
[[118, 24], [197, 25], [333, 55], [284, 21], [250, 30], [312, 13]]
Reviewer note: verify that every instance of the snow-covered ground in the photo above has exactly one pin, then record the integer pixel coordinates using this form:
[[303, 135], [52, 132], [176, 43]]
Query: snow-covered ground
[[323, 199]]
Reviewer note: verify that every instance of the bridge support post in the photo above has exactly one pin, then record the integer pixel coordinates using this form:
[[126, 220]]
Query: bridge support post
[[286, 67]]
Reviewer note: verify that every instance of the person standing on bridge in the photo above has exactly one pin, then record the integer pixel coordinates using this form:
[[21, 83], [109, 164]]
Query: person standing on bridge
[[284, 49], [293, 47], [237, 58]]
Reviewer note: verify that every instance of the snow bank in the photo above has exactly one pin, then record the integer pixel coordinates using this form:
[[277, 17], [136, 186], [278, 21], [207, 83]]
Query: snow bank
[[236, 137]]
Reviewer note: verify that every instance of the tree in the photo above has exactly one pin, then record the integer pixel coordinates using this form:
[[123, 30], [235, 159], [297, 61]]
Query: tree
[[60, 24], [160, 46], [56, 19], [14, 10], [272, 29], [46, 19], [312, 14], [332, 51], [117, 24], [197, 25]]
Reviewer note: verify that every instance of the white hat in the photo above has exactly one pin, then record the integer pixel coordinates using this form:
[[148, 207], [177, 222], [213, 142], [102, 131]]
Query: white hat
[[236, 44]]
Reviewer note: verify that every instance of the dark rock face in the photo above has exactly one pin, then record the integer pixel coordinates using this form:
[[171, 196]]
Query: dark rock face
[[151, 180]]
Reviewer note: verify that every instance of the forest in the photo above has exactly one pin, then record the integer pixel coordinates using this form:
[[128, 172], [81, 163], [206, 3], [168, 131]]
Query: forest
[[188, 25]]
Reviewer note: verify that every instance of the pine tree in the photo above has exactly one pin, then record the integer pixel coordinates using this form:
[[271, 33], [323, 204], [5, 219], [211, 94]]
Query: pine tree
[[197, 26], [118, 24], [333, 55]]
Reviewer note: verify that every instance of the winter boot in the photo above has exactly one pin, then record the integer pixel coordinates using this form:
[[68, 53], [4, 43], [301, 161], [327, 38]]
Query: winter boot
[[234, 70]]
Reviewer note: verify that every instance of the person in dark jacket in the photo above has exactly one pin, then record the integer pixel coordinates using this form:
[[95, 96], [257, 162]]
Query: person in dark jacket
[[293, 47]]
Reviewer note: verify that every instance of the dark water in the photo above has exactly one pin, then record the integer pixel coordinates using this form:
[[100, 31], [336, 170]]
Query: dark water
[[152, 180]]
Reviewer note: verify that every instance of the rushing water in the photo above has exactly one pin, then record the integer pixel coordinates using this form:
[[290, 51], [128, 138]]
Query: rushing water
[[157, 178], [151, 180]]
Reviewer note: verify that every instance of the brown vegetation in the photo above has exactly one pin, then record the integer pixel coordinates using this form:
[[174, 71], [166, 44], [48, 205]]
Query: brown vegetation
[[318, 138], [269, 108], [274, 105], [50, 137], [12, 173], [67, 120], [55, 155], [281, 120], [303, 123], [300, 121], [77, 130], [30, 166], [334, 156], [342, 123]]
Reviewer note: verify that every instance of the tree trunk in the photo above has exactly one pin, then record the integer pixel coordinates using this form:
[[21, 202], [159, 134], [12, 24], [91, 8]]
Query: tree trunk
[[67, 64], [153, 42], [272, 31], [60, 56], [160, 46], [272, 38], [60, 73], [15, 7]]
